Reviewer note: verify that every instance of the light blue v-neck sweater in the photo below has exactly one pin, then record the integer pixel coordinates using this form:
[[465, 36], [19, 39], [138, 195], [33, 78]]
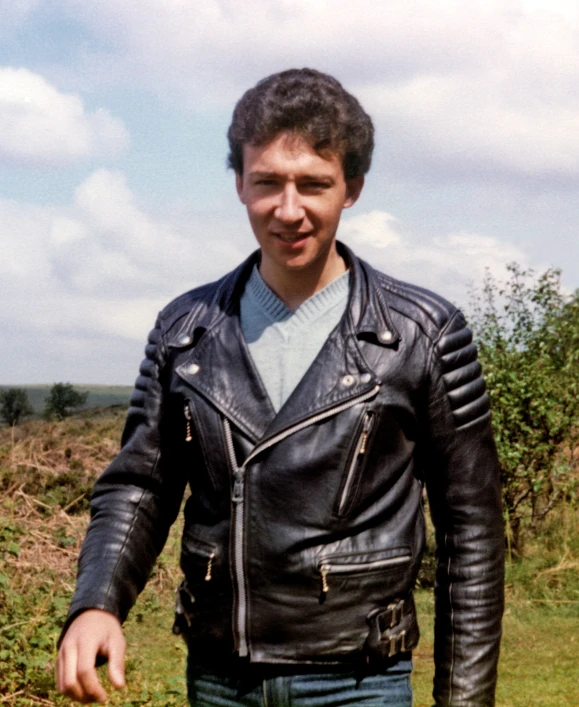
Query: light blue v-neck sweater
[[283, 344]]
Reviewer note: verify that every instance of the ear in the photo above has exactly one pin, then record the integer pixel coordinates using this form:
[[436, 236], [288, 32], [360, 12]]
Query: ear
[[239, 187], [353, 190]]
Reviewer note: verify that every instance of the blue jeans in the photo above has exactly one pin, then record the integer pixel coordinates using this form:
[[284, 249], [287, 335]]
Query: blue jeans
[[389, 689]]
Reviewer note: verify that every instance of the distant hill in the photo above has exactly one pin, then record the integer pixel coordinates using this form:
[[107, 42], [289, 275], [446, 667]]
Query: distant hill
[[98, 395]]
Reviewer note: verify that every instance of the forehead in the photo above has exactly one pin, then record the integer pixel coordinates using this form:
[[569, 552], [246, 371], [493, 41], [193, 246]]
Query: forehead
[[288, 151]]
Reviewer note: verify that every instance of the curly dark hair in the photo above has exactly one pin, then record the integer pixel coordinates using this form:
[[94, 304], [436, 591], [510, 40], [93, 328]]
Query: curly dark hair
[[310, 104]]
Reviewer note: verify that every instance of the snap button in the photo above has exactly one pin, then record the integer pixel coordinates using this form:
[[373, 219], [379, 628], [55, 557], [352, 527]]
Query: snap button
[[385, 335], [348, 380], [366, 377], [184, 339], [193, 369]]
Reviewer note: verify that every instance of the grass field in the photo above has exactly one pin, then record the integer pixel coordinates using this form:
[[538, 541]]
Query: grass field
[[45, 479], [539, 664]]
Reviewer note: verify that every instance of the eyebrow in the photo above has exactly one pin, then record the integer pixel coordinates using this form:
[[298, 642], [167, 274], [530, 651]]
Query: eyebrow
[[304, 177]]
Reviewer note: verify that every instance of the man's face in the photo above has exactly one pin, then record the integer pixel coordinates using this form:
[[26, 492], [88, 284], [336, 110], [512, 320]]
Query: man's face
[[294, 199]]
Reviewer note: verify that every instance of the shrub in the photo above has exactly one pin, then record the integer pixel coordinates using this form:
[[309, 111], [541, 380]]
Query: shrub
[[528, 339], [14, 405], [62, 399]]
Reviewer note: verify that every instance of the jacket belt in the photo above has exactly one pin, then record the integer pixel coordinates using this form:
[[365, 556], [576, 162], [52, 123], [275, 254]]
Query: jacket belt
[[393, 630]]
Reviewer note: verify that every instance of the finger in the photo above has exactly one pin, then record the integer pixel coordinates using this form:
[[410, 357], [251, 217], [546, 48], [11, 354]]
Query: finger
[[90, 686], [66, 664], [58, 672], [117, 661]]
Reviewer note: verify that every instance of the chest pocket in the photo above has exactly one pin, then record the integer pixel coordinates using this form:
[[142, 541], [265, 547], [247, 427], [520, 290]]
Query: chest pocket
[[355, 464], [203, 429]]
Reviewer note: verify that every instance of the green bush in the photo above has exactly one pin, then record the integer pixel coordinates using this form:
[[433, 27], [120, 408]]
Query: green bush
[[14, 405], [528, 337], [62, 399]]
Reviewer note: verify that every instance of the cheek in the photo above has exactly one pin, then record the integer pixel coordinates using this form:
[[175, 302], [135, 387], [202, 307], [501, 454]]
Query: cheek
[[257, 219], [330, 216], [256, 212]]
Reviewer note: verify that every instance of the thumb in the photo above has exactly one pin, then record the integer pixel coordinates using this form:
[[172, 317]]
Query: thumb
[[117, 662]]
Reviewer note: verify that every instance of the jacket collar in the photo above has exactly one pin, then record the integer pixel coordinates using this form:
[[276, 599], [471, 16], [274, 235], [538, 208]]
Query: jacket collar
[[219, 366]]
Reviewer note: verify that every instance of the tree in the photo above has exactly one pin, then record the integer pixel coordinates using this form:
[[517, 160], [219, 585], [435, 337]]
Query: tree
[[528, 339], [62, 399], [14, 405]]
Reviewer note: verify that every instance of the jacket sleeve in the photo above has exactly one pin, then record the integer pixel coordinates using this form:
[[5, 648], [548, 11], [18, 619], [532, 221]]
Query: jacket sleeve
[[134, 501], [462, 478]]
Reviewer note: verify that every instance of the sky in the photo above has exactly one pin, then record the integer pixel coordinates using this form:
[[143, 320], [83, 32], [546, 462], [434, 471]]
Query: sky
[[114, 191]]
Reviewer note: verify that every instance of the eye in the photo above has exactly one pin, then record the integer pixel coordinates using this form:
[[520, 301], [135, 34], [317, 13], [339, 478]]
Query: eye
[[314, 186]]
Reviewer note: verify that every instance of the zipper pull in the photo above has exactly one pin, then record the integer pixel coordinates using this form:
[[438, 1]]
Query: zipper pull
[[188, 436], [324, 569], [367, 426], [237, 495], [209, 573]]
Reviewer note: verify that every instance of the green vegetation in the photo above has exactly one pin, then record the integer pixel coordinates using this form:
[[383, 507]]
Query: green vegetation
[[62, 399], [45, 480], [14, 406], [528, 337]]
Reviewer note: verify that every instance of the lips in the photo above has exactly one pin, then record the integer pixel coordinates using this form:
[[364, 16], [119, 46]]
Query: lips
[[291, 237]]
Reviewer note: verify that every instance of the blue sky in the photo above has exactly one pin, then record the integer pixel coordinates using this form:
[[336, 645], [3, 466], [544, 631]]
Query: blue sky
[[114, 195]]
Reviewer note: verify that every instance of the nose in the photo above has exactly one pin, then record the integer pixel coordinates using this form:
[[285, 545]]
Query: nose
[[289, 208]]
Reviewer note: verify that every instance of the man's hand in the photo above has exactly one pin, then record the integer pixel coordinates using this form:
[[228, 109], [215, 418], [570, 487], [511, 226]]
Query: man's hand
[[92, 633]]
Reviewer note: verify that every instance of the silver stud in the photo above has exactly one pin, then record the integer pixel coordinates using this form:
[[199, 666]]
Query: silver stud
[[348, 380], [366, 377], [193, 369], [184, 339], [385, 336]]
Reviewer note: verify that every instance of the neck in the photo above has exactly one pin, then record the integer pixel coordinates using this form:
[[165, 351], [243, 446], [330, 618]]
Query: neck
[[294, 287]]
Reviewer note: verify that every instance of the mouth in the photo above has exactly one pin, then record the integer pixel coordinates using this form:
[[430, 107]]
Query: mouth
[[291, 238]]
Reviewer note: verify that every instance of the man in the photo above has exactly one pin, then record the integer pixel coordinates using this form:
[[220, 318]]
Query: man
[[306, 399]]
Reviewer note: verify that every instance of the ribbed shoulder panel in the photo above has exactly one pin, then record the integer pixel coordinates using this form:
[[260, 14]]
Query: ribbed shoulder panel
[[462, 373], [446, 327], [189, 304]]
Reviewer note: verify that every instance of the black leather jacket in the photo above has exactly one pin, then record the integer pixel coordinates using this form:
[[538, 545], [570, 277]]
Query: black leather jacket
[[304, 529]]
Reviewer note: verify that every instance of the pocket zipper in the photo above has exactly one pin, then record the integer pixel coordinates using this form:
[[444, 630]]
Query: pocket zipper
[[359, 452], [188, 437], [209, 573], [351, 568], [205, 552]]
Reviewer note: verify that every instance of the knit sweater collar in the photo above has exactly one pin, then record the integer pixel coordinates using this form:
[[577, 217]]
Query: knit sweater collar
[[319, 303]]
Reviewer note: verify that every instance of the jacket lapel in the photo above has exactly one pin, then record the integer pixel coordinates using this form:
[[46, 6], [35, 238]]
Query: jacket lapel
[[220, 368], [340, 373]]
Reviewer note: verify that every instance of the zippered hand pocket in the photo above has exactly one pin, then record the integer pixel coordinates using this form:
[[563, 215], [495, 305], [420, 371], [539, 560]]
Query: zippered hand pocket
[[339, 567], [355, 464], [197, 560]]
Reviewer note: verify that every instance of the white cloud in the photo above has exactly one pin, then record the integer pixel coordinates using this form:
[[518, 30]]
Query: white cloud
[[459, 90], [88, 278], [103, 265], [41, 125], [449, 265]]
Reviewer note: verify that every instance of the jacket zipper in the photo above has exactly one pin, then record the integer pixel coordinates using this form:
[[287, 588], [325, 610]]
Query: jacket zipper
[[350, 568], [357, 457], [238, 499]]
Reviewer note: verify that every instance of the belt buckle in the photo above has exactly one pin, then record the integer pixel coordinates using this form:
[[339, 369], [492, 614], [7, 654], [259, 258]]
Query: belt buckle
[[392, 647], [394, 608]]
